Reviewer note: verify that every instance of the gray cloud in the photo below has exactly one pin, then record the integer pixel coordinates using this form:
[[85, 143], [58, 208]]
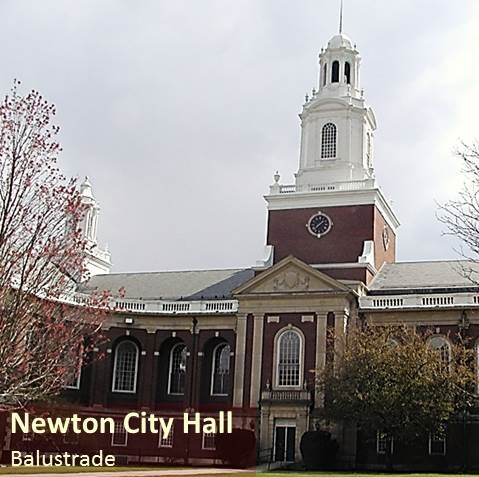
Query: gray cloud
[[181, 111]]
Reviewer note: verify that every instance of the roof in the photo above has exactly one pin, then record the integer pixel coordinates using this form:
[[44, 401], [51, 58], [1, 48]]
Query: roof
[[409, 276], [184, 285]]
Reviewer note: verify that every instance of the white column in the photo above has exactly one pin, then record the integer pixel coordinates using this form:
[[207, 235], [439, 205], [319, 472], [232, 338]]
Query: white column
[[321, 330], [239, 361], [256, 361]]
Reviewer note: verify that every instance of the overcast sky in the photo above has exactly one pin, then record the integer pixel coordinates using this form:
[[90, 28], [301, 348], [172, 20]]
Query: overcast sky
[[181, 111]]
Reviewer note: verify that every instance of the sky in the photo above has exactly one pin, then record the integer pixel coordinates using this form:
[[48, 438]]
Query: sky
[[180, 112]]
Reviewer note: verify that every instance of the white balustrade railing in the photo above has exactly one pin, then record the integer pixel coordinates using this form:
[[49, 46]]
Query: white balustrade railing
[[419, 301], [327, 187], [159, 306]]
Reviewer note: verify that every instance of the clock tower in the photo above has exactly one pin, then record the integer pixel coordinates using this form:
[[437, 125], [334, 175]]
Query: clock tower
[[334, 217]]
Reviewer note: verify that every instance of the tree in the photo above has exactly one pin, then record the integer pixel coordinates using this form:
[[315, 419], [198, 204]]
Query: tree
[[390, 379], [461, 216], [42, 332]]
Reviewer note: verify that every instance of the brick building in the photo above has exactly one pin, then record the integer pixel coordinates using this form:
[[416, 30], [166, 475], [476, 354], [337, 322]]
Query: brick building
[[249, 340]]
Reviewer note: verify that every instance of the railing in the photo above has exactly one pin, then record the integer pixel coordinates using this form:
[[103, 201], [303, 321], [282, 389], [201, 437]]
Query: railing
[[286, 395], [450, 300], [160, 306], [326, 187]]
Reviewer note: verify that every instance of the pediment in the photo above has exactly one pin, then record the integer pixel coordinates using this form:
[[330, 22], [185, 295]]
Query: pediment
[[290, 276]]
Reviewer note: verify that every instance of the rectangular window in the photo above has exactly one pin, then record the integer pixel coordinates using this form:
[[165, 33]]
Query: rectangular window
[[437, 444], [208, 441], [74, 381], [165, 441], [120, 436], [382, 443]]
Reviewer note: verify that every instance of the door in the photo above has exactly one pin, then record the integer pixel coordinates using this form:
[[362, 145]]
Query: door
[[284, 443]]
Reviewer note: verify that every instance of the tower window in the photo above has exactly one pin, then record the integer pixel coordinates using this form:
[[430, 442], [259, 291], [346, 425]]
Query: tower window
[[325, 74], [328, 141], [347, 72], [335, 72]]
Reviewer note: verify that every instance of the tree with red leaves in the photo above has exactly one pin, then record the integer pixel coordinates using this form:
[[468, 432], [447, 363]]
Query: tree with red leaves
[[44, 334]]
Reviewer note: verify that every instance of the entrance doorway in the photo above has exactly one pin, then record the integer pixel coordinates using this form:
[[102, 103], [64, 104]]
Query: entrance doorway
[[284, 441]]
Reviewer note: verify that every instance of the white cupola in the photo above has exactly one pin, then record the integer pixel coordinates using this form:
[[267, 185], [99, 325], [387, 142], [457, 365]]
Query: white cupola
[[97, 260], [337, 125]]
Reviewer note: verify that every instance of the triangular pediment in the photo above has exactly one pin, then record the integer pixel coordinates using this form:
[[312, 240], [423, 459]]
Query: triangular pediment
[[290, 275]]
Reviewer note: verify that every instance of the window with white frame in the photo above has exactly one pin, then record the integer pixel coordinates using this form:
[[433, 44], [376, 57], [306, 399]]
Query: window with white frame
[[441, 346], [73, 378], [289, 359], [220, 370], [119, 436], [382, 441], [125, 367], [208, 442], [328, 141], [437, 444], [73, 382], [165, 441], [325, 74], [177, 371]]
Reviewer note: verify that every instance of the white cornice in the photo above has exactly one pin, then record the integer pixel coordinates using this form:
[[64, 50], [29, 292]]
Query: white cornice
[[305, 200]]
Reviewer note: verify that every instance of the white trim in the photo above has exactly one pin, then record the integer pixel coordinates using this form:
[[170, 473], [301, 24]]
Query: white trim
[[113, 444], [287, 424], [448, 344], [277, 339], [204, 435], [76, 385], [169, 442], [135, 378], [213, 366], [452, 300], [335, 198], [317, 214]]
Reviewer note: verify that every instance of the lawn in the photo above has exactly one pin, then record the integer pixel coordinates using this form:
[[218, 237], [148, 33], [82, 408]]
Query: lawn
[[165, 472]]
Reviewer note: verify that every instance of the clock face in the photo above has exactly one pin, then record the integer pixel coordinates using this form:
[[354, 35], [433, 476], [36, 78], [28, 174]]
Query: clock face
[[319, 224]]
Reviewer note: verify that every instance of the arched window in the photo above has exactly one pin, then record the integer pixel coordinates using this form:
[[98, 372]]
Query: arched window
[[335, 72], [220, 369], [325, 74], [125, 367], [328, 141], [177, 374], [441, 346], [289, 359], [347, 72]]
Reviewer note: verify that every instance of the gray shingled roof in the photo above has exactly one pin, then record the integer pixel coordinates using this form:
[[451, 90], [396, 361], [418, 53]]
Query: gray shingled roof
[[410, 276], [187, 285]]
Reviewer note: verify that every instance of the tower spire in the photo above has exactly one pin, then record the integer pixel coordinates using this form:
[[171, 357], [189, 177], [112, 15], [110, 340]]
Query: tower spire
[[341, 18]]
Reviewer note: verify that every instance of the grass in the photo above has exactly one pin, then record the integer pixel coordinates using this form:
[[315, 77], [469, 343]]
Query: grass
[[164, 472], [6, 470]]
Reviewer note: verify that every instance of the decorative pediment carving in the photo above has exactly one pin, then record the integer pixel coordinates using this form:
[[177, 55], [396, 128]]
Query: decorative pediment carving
[[291, 280], [290, 276]]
